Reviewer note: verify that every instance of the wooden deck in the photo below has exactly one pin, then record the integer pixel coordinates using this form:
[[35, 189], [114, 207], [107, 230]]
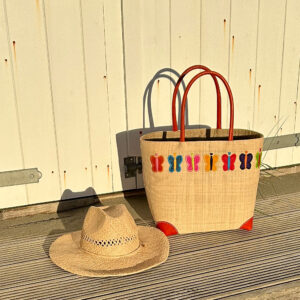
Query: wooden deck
[[261, 264]]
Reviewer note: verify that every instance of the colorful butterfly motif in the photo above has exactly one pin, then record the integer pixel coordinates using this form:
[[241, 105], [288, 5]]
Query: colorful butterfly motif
[[157, 162], [210, 162], [228, 161], [192, 162], [246, 159], [175, 162], [258, 158]]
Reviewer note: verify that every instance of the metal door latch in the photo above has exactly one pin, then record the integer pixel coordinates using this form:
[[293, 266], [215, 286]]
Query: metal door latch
[[17, 177], [132, 165]]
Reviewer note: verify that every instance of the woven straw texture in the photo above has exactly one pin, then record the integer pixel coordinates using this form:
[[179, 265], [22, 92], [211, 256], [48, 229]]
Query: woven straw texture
[[110, 244], [206, 195]]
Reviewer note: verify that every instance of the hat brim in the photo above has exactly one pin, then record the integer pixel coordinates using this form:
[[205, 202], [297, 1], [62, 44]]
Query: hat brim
[[67, 254]]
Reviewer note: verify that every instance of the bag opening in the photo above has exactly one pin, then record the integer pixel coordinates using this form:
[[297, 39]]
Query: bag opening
[[203, 134]]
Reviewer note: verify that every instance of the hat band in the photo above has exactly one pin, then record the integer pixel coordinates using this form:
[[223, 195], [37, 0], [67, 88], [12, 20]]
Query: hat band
[[111, 246], [112, 242], [113, 256]]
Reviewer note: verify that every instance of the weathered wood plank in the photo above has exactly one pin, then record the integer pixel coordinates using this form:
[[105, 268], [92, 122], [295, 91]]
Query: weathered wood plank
[[66, 58], [214, 49], [289, 79], [96, 93], [30, 68], [270, 39], [11, 146]]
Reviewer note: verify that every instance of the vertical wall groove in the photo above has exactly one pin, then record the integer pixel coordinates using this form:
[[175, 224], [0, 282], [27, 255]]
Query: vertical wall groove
[[230, 59], [229, 48], [170, 38], [280, 88], [255, 68], [107, 91], [125, 79], [51, 95], [282, 60], [296, 103], [200, 57], [297, 95], [86, 92]]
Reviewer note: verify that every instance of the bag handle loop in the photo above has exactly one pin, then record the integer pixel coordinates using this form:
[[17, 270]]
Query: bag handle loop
[[175, 126], [212, 73]]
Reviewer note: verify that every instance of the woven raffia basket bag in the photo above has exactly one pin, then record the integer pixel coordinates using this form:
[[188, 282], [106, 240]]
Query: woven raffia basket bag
[[199, 180]]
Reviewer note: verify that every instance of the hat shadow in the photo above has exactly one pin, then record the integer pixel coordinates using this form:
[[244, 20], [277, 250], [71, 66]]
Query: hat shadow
[[70, 213]]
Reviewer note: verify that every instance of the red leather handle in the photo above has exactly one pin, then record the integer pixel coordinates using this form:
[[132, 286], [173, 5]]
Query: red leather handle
[[212, 73], [175, 126]]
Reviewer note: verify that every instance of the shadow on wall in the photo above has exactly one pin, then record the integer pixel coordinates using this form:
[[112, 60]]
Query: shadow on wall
[[147, 97], [133, 136], [70, 214]]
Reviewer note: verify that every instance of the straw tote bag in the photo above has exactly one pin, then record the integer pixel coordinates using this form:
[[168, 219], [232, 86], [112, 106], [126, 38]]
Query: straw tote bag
[[199, 180]]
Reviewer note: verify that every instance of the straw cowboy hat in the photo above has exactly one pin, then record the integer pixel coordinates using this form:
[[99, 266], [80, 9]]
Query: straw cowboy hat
[[110, 244]]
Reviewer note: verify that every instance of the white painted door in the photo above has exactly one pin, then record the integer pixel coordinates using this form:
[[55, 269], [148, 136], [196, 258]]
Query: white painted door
[[80, 81]]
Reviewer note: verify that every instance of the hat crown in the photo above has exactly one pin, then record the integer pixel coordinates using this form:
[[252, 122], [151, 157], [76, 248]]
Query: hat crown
[[109, 231]]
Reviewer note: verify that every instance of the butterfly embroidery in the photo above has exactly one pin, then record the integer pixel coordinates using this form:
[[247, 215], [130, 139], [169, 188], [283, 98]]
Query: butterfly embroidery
[[192, 162], [157, 162], [228, 161], [246, 159], [258, 158], [210, 162], [175, 162]]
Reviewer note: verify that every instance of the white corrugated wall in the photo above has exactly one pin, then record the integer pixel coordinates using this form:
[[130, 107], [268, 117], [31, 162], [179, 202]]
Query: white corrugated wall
[[74, 73]]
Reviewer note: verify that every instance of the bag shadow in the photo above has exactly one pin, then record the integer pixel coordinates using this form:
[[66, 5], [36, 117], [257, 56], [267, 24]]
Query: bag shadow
[[128, 141]]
